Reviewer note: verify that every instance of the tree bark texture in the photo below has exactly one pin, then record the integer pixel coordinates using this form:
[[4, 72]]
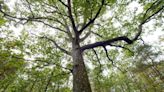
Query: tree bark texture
[[80, 77]]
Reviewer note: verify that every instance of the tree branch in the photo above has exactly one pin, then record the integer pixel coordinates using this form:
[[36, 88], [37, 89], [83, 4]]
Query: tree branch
[[146, 20], [112, 60], [107, 42], [122, 38], [35, 19], [63, 3], [97, 34], [57, 10], [119, 46], [151, 7], [57, 28], [69, 32], [46, 63], [108, 55], [67, 28], [98, 60], [92, 20], [71, 18], [57, 46], [86, 35], [29, 6]]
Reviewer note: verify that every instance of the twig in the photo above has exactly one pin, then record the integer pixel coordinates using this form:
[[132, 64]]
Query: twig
[[108, 55], [29, 6], [119, 46], [60, 48], [98, 60], [63, 3], [97, 34]]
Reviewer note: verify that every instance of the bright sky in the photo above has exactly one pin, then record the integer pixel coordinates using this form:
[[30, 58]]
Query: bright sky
[[151, 38], [133, 6]]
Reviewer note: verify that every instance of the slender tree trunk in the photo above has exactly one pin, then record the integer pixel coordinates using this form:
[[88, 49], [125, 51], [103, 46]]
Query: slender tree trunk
[[80, 77]]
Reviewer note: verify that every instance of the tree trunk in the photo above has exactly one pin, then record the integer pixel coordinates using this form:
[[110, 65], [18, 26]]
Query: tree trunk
[[80, 77]]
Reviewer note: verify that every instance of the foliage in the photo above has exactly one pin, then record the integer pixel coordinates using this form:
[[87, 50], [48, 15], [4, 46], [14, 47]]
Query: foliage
[[34, 60]]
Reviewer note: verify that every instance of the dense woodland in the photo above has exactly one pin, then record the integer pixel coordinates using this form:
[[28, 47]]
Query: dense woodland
[[81, 46]]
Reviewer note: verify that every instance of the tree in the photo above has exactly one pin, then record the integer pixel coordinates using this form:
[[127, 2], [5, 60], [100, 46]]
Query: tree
[[74, 21]]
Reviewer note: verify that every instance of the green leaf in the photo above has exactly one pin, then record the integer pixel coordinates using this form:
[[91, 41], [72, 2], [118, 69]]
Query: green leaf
[[2, 21], [111, 1]]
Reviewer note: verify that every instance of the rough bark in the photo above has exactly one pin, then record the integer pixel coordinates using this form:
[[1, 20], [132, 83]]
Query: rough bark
[[80, 77]]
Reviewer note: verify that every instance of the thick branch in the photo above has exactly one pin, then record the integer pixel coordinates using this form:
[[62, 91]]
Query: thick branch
[[122, 38], [71, 17], [57, 46], [92, 20], [107, 42]]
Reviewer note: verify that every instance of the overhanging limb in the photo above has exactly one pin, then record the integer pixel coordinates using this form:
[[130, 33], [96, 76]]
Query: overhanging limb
[[107, 42], [123, 38]]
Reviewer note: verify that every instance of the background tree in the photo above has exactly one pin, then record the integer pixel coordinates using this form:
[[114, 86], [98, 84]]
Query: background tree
[[68, 25]]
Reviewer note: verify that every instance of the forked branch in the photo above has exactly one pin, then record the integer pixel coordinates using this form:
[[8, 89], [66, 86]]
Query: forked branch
[[123, 38], [34, 19], [106, 52], [146, 20], [92, 20]]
